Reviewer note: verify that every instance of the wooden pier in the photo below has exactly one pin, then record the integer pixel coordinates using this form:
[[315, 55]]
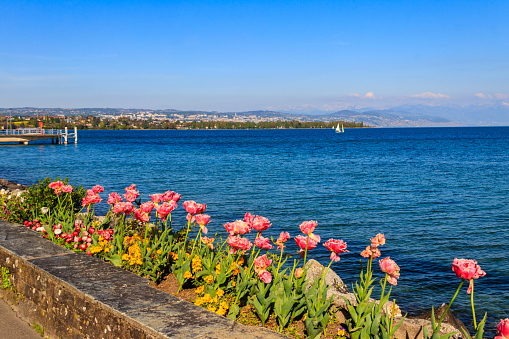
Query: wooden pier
[[25, 135]]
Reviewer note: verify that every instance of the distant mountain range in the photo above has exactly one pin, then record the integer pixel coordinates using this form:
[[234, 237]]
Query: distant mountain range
[[493, 114]]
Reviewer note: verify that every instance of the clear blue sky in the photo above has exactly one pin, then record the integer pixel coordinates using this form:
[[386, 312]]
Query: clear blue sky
[[241, 55]]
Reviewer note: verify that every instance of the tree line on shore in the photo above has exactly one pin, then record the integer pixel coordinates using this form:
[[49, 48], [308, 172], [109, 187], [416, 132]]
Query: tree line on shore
[[124, 123]]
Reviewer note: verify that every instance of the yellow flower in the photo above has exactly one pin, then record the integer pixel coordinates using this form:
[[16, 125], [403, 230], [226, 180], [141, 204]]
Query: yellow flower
[[218, 269], [209, 279], [240, 261], [199, 301], [233, 283], [188, 275], [125, 257], [220, 293], [207, 298], [96, 249], [174, 256], [196, 264], [199, 290], [211, 308]]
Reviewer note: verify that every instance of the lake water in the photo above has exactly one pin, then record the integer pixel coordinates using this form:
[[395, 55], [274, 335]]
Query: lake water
[[436, 193]]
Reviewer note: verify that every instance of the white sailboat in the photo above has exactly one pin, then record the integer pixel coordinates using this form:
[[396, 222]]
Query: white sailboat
[[340, 130]]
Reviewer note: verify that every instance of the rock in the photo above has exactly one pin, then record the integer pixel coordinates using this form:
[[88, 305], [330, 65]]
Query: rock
[[333, 280], [449, 319]]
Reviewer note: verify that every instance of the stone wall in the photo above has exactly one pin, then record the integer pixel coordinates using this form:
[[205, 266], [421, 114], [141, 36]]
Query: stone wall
[[73, 295]]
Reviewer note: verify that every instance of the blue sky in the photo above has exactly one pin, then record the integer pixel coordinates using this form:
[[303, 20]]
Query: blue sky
[[243, 55]]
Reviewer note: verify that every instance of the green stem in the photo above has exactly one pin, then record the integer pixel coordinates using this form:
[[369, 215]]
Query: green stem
[[306, 251], [324, 272], [194, 244], [448, 307], [472, 302], [380, 306], [279, 263]]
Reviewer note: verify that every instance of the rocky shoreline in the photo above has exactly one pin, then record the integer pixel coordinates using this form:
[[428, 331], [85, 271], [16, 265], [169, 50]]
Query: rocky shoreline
[[11, 186]]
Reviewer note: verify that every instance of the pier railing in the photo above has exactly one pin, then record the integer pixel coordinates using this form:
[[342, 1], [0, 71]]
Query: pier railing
[[31, 131], [24, 135]]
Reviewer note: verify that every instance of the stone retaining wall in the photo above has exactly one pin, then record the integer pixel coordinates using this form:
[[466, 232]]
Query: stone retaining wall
[[73, 295]]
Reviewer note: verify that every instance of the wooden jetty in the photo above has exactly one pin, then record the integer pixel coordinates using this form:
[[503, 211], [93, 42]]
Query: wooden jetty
[[25, 135]]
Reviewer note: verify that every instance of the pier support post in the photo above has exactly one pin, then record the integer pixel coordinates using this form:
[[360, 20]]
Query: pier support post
[[75, 134], [65, 136]]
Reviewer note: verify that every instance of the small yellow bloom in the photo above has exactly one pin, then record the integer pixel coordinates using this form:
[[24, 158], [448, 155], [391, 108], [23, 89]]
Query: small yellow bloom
[[188, 275], [125, 257], [207, 298], [199, 290], [209, 279], [211, 308], [199, 301], [220, 293]]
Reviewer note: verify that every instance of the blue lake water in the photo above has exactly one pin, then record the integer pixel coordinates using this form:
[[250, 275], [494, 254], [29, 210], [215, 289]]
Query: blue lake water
[[436, 193]]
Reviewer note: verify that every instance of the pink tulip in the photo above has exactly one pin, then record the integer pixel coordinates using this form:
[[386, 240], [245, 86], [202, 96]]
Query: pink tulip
[[131, 194], [238, 243], [503, 329], [265, 276], [208, 242], [113, 198], [176, 197], [202, 219], [167, 196], [147, 207], [97, 189], [237, 227], [299, 272], [262, 262], [468, 270], [283, 237], [263, 243], [378, 240], [192, 207], [301, 242], [389, 266], [308, 227], [141, 216], [130, 197], [260, 224], [248, 218], [118, 207], [56, 186], [337, 247], [128, 208], [371, 252], [165, 208], [156, 198], [67, 189]]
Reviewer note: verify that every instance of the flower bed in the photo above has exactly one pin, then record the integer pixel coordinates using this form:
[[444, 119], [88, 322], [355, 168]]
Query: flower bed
[[245, 278]]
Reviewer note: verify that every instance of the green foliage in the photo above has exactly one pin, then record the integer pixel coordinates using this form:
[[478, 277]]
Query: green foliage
[[41, 195], [13, 208], [6, 278]]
